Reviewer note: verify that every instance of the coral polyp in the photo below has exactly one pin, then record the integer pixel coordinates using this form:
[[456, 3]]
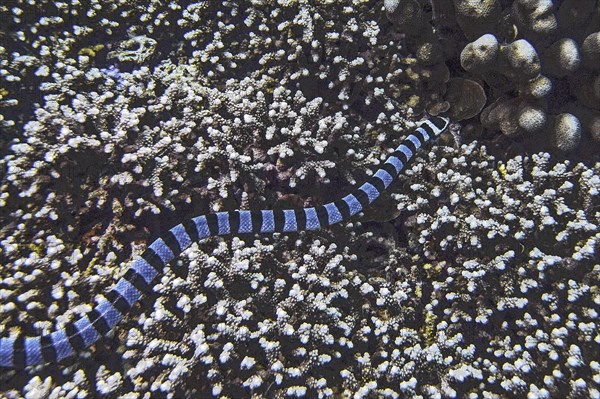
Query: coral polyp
[[474, 275]]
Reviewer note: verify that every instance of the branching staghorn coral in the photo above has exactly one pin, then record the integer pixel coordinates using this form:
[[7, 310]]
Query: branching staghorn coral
[[408, 328], [139, 279]]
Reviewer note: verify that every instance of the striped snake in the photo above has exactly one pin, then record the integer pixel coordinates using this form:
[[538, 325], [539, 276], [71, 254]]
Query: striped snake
[[18, 352]]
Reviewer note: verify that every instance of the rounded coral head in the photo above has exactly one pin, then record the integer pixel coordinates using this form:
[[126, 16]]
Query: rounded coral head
[[480, 54]]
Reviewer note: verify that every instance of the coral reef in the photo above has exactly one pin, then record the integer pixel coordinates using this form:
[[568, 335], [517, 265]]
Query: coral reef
[[535, 54], [476, 277]]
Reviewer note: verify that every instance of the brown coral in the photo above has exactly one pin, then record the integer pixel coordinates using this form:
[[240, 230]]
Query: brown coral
[[407, 14], [481, 54], [562, 58], [591, 51], [566, 132], [522, 60], [466, 98], [536, 88], [476, 17], [535, 20]]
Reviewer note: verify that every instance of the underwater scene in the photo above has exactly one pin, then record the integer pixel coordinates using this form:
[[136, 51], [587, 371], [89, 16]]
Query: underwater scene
[[299, 199]]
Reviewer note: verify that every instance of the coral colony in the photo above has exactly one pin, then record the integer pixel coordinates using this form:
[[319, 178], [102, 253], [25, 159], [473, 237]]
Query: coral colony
[[475, 275]]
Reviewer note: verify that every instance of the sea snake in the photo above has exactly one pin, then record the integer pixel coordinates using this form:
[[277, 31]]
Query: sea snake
[[18, 352]]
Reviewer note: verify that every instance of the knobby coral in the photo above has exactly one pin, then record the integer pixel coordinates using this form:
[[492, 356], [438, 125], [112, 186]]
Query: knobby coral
[[474, 277]]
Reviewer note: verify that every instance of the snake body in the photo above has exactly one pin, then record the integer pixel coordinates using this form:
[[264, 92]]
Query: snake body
[[19, 351]]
